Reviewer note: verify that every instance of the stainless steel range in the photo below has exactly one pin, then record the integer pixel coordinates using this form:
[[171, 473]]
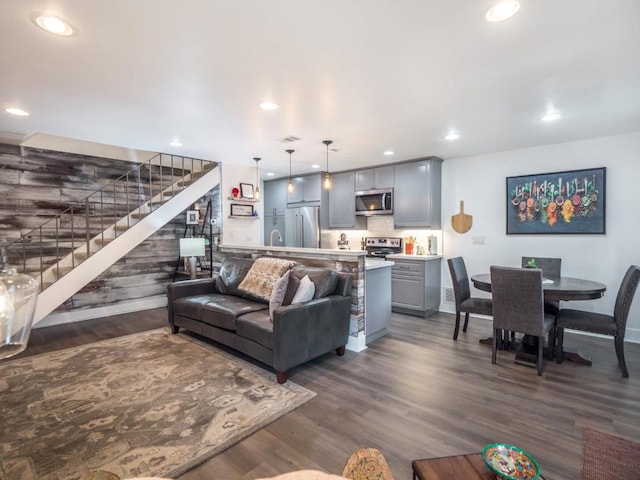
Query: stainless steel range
[[380, 247]]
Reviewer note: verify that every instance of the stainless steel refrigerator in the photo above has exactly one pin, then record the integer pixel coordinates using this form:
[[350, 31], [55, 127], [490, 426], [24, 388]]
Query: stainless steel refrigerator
[[302, 225]]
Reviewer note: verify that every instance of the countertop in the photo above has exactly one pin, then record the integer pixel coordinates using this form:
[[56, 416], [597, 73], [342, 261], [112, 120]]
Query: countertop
[[318, 251], [370, 264], [402, 256]]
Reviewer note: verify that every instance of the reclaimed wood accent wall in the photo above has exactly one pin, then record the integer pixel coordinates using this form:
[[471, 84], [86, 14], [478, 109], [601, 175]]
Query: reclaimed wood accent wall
[[36, 185]]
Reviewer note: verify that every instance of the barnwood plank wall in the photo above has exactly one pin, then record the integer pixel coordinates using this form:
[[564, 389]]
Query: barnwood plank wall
[[36, 185]]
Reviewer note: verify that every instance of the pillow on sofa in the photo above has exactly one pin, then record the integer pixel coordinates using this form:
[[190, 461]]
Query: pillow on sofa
[[305, 291], [325, 280], [263, 274], [232, 272], [292, 288], [278, 293]]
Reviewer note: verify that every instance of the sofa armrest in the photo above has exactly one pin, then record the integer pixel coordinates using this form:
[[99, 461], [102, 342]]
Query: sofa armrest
[[188, 288], [308, 330]]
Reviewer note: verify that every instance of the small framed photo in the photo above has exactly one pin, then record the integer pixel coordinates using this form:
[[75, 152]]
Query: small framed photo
[[192, 217], [246, 190], [241, 210]]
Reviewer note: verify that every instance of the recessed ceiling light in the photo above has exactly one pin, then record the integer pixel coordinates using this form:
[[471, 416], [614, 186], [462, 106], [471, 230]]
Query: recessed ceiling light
[[388, 153], [175, 143], [269, 106], [502, 11], [315, 165], [270, 174], [55, 25], [550, 117], [452, 136], [17, 112]]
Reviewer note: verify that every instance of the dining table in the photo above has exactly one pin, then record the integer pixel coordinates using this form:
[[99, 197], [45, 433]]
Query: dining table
[[561, 289]]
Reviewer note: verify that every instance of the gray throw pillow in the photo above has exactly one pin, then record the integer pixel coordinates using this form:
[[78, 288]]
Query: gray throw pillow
[[305, 291], [278, 292]]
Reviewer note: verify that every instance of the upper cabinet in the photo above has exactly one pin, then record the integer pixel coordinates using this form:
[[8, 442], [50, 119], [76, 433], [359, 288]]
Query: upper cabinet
[[306, 189], [416, 194], [342, 202], [275, 198], [374, 178]]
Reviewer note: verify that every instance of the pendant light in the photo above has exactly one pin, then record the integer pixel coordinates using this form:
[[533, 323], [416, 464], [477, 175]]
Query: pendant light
[[256, 193], [290, 188], [327, 178]]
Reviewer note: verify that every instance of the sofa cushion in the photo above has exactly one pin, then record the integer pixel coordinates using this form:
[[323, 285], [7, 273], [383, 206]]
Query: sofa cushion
[[191, 307], [292, 288], [223, 312], [256, 326], [232, 273], [305, 291], [263, 274], [278, 292], [324, 280]]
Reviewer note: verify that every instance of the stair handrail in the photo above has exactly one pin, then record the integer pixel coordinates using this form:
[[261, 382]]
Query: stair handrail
[[26, 237]]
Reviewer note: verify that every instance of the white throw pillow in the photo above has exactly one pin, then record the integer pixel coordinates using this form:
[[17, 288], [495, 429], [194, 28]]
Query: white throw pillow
[[278, 292], [305, 291]]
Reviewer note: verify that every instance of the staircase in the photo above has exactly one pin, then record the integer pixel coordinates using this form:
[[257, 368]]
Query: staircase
[[63, 255]]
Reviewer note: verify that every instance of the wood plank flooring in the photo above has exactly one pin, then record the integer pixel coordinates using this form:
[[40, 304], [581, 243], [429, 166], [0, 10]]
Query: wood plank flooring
[[416, 393]]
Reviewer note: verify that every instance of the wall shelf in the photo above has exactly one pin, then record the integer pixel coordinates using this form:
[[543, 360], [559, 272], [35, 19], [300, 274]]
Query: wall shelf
[[249, 217], [242, 200]]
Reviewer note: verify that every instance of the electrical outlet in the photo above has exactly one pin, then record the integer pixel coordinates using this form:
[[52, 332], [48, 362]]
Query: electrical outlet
[[477, 240]]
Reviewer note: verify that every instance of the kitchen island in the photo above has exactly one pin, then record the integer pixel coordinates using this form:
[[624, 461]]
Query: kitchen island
[[377, 298], [415, 284]]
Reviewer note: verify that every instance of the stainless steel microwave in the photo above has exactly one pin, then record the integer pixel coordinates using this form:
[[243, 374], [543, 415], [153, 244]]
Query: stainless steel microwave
[[374, 202]]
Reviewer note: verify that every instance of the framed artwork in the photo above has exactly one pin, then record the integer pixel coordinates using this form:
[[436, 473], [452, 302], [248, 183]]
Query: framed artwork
[[246, 190], [241, 210], [571, 202], [192, 217]]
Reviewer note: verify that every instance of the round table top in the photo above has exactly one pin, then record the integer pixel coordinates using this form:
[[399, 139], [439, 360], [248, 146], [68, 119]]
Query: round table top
[[565, 288]]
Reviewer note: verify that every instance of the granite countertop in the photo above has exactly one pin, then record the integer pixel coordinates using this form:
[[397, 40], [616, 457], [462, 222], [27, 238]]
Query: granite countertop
[[370, 264], [403, 256]]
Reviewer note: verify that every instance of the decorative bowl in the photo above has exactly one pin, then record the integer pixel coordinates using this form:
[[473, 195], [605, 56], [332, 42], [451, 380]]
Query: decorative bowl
[[510, 462]]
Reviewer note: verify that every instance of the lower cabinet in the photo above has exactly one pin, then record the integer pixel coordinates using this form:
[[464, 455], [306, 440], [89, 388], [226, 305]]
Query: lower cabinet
[[415, 286]]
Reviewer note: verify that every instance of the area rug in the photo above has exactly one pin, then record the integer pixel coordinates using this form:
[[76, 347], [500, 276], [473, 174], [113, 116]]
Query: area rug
[[149, 404]]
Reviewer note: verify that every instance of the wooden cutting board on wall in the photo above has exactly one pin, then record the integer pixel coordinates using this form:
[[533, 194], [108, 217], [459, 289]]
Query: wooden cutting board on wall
[[461, 222]]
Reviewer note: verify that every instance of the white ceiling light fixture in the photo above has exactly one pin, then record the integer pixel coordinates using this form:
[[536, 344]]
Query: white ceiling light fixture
[[502, 11], [452, 136], [256, 193], [269, 106], [270, 174], [551, 116], [388, 153], [54, 25], [18, 112], [327, 178], [315, 165], [175, 143]]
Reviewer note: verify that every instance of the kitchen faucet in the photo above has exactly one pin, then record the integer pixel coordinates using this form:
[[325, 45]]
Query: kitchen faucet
[[275, 230]]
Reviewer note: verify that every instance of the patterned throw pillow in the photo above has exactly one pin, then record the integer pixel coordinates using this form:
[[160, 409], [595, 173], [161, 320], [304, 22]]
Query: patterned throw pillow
[[278, 293], [305, 291], [263, 274]]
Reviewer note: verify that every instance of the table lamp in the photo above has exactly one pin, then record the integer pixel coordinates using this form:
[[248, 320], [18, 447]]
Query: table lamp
[[192, 248], [18, 295]]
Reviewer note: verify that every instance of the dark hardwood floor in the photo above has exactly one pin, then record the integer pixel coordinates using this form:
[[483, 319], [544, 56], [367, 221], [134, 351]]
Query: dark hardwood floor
[[416, 393]]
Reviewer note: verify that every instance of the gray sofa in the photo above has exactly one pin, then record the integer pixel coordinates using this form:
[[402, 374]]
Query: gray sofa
[[216, 309]]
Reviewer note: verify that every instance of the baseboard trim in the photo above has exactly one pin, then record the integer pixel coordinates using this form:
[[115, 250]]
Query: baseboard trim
[[61, 318]]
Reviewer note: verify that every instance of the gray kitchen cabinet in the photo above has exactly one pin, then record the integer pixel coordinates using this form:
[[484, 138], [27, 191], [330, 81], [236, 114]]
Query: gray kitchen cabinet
[[374, 178], [307, 189], [415, 285], [275, 197], [416, 194], [342, 202]]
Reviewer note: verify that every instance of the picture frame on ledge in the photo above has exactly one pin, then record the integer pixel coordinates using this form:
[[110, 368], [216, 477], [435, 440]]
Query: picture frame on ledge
[[246, 190], [238, 210], [192, 217], [569, 202]]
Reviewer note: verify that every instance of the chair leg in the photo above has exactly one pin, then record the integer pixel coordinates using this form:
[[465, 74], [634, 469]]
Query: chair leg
[[619, 343], [455, 331], [552, 343], [466, 321], [494, 350], [540, 354], [559, 342]]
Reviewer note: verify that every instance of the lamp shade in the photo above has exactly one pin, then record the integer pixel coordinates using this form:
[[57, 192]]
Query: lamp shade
[[18, 296], [192, 247]]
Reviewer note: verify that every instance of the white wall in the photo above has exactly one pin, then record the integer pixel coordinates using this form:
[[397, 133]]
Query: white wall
[[480, 182], [239, 231]]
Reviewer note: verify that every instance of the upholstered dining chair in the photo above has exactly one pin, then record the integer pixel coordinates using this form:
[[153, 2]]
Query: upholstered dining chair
[[606, 456], [464, 301], [612, 325], [518, 307], [551, 268]]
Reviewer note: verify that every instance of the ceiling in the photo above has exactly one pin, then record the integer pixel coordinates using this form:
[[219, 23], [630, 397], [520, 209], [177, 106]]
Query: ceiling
[[371, 75]]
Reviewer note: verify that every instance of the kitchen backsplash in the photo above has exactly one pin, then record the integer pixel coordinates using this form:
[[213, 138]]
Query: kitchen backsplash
[[378, 226]]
